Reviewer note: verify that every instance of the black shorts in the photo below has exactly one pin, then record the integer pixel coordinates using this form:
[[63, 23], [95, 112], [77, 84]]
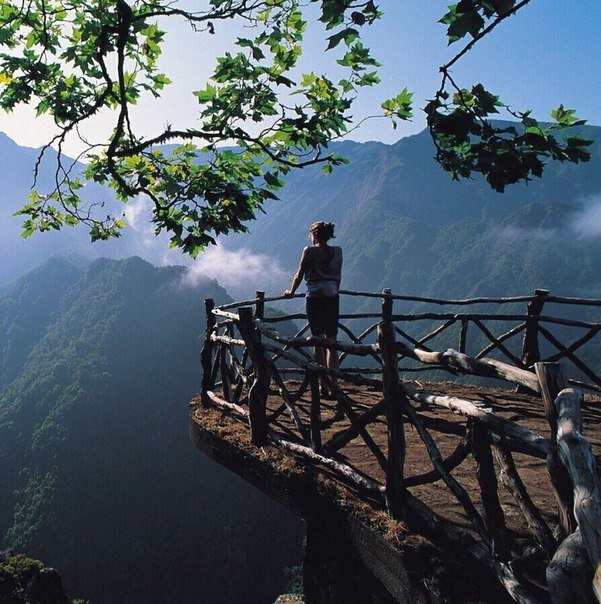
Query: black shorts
[[322, 313]]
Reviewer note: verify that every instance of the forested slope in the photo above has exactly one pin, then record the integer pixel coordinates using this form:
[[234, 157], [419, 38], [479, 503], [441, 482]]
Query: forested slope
[[404, 224], [99, 478]]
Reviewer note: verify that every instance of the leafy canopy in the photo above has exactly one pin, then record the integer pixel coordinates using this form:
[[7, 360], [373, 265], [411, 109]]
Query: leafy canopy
[[73, 59]]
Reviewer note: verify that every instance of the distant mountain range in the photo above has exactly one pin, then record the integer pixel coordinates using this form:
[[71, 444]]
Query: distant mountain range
[[99, 479], [403, 224], [98, 360]]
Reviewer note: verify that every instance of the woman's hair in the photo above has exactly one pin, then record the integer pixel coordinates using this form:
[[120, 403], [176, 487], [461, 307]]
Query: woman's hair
[[322, 230]]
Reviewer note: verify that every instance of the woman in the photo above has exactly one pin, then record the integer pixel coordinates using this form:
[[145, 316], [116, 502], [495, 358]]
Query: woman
[[321, 266]]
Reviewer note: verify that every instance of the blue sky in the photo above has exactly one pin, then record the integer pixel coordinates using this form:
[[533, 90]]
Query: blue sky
[[545, 55]]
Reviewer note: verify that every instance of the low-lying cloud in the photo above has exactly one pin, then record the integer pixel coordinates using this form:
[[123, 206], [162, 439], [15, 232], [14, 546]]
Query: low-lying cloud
[[586, 222], [583, 223], [240, 271]]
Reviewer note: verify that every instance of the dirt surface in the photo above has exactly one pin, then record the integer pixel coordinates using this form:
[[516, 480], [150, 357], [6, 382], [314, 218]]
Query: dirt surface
[[447, 430]]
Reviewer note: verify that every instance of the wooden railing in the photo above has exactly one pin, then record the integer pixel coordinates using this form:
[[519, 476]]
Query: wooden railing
[[246, 362]]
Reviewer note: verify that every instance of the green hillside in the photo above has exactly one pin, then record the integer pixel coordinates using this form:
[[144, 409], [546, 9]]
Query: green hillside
[[100, 479], [404, 224]]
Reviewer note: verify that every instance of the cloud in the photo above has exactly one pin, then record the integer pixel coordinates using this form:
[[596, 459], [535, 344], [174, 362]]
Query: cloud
[[586, 222], [134, 209], [241, 271], [516, 234]]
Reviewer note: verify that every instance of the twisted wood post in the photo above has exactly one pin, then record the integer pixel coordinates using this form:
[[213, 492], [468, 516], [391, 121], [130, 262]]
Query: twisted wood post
[[463, 335], [494, 519], [315, 411], [260, 308], [530, 349], [569, 572], [257, 395], [577, 456], [552, 381], [206, 354], [395, 401]]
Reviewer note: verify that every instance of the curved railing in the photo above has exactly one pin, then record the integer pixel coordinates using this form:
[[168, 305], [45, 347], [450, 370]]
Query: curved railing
[[247, 365]]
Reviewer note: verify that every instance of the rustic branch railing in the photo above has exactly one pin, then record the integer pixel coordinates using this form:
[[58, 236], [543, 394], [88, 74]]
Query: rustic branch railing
[[244, 361]]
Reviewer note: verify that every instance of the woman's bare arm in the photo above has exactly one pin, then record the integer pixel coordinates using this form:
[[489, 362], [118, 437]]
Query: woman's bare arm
[[300, 273]]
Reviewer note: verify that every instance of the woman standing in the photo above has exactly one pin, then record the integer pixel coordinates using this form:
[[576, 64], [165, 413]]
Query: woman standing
[[321, 266]]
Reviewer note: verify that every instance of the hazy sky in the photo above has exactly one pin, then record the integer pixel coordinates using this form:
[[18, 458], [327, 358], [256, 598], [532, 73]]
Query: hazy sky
[[545, 55]]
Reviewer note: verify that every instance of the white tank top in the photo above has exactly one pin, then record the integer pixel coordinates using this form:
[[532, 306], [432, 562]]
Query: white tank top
[[323, 276]]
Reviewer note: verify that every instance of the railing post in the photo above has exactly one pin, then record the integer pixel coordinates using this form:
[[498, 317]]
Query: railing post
[[530, 349], [206, 354], [395, 400], [463, 335], [315, 411], [386, 305], [552, 381], [260, 305], [494, 519], [257, 395], [577, 457]]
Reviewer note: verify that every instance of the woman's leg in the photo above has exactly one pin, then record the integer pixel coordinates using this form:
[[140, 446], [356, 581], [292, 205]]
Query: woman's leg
[[332, 355], [322, 357]]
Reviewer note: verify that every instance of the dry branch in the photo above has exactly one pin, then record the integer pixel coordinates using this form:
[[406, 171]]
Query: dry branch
[[494, 519], [569, 573], [576, 454], [513, 483], [455, 488], [505, 336], [343, 438], [443, 532], [553, 381], [257, 395], [521, 439], [449, 464], [442, 302], [363, 483], [358, 425], [225, 314], [490, 368], [315, 411], [359, 350], [570, 355], [577, 344], [395, 404], [498, 344], [227, 405], [227, 340], [206, 354], [287, 400]]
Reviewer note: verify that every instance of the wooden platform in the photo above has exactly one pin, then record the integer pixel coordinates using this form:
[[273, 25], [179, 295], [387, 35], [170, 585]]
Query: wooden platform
[[307, 489]]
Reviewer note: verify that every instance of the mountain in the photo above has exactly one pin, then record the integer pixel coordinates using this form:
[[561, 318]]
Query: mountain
[[17, 165], [97, 364], [404, 224], [97, 360]]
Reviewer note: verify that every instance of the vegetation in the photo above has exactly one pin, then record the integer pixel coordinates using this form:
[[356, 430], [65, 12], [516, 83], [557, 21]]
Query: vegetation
[[75, 59], [100, 478], [16, 571], [24, 580]]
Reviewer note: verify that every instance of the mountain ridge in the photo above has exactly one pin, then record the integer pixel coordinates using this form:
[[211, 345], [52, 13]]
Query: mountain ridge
[[101, 479]]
